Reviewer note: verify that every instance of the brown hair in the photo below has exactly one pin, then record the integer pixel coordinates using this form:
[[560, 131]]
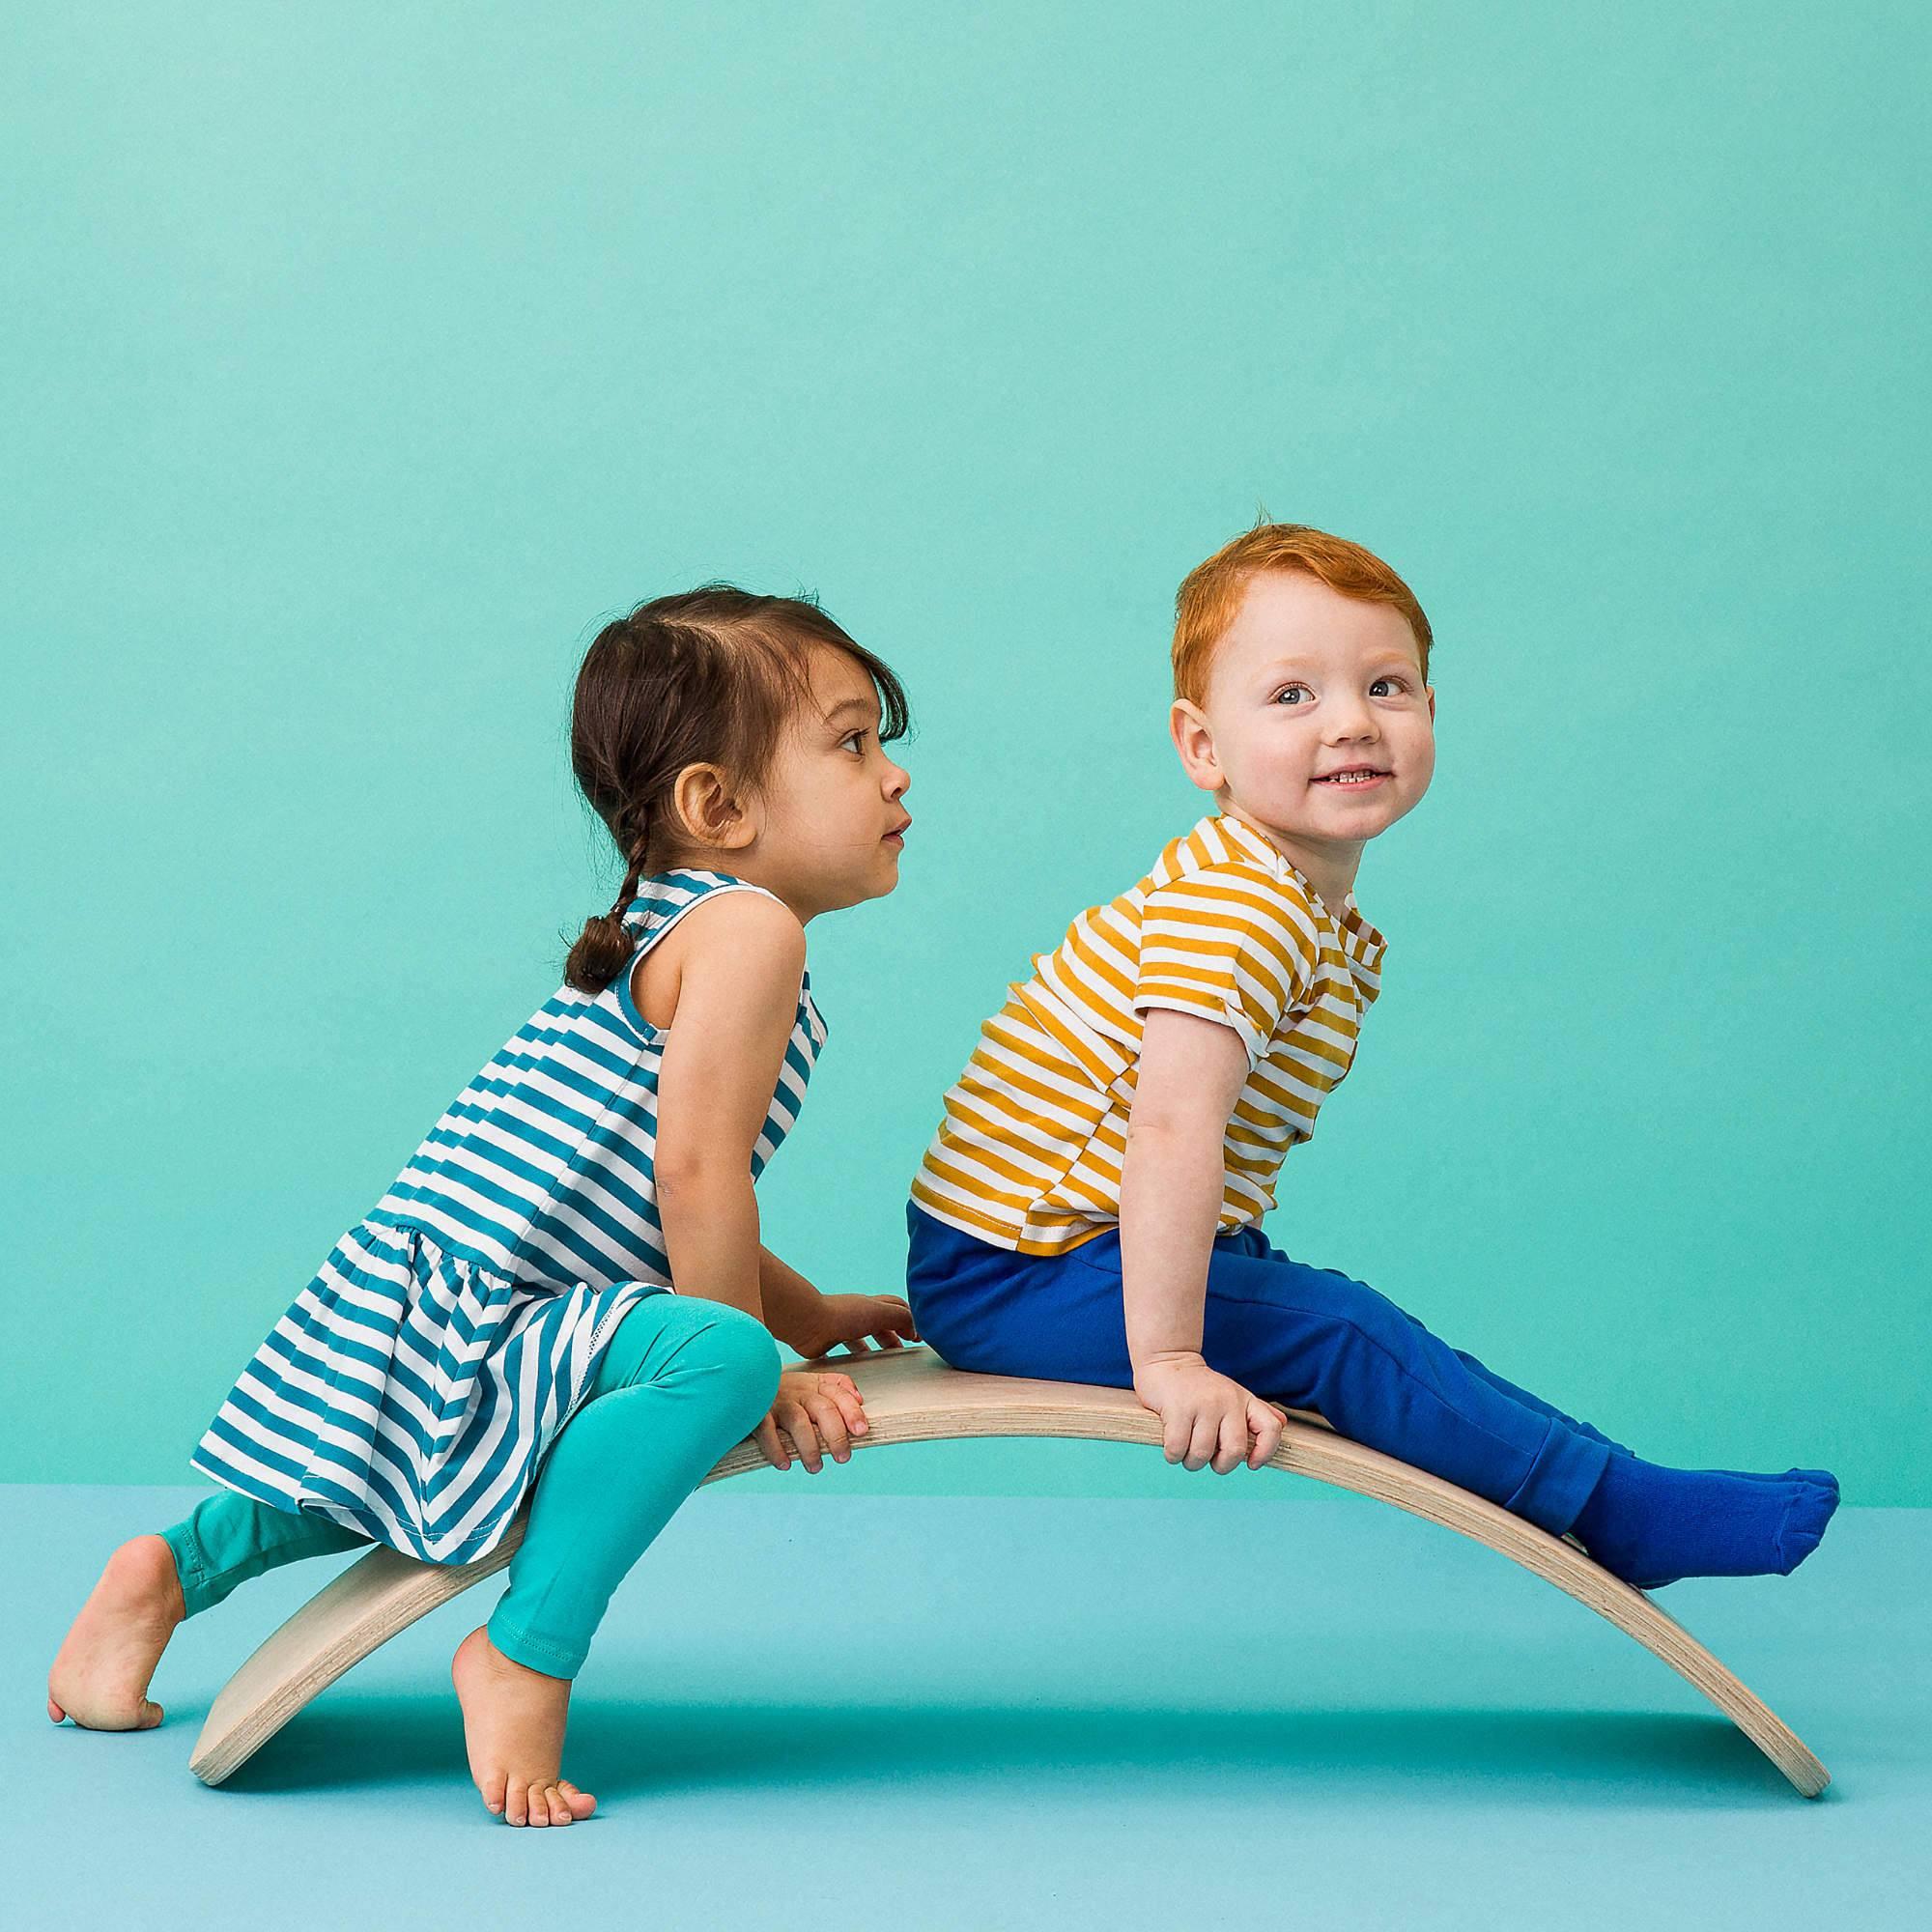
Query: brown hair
[[1211, 594], [708, 676]]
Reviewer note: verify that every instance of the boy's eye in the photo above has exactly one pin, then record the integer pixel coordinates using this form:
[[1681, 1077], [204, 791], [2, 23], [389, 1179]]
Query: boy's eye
[[1285, 689]]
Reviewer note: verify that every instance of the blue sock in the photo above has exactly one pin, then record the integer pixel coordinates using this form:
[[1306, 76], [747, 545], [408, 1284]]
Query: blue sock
[[1650, 1524], [1822, 1478]]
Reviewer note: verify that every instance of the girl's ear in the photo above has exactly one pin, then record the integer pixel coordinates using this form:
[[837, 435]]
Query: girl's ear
[[710, 811]]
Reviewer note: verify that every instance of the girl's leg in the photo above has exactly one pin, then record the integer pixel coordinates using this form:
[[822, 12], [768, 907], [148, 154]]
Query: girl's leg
[[228, 1538], [681, 1381], [101, 1676]]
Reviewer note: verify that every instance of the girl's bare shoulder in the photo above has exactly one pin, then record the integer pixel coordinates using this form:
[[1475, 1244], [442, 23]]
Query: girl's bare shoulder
[[750, 941]]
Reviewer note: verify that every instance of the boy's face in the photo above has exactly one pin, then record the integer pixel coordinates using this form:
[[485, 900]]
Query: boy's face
[[1308, 683]]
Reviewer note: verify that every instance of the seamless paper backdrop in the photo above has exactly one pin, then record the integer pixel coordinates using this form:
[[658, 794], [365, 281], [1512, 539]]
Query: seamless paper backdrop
[[357, 364]]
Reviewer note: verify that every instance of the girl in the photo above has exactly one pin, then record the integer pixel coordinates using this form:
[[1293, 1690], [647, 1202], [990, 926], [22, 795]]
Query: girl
[[563, 1290]]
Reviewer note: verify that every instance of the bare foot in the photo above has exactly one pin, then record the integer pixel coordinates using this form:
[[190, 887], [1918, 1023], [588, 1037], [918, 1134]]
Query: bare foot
[[100, 1677], [513, 1722]]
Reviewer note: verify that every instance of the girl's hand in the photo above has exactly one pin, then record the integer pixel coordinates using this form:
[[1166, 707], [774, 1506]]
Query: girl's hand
[[812, 1406], [1208, 1417], [855, 1320]]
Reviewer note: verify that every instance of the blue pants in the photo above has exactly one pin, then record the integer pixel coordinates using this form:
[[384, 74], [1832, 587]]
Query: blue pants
[[1304, 1337], [681, 1381]]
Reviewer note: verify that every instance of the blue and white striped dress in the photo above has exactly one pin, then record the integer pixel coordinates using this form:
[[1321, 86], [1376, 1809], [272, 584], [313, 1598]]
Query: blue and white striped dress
[[413, 1387]]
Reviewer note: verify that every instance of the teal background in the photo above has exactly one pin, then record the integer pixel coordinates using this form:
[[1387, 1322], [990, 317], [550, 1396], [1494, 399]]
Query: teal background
[[357, 364]]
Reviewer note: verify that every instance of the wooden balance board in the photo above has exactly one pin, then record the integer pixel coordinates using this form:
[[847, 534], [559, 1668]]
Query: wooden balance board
[[912, 1396]]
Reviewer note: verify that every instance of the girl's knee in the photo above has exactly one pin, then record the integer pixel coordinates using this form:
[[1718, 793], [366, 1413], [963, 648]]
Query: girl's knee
[[739, 1350]]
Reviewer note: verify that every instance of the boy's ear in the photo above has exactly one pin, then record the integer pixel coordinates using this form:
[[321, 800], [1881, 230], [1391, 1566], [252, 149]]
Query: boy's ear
[[1195, 743], [711, 811]]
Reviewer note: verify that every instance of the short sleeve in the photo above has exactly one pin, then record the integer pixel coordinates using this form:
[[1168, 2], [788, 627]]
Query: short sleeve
[[1235, 947]]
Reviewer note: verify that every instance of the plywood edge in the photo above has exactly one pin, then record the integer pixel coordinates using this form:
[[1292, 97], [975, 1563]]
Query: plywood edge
[[912, 1396]]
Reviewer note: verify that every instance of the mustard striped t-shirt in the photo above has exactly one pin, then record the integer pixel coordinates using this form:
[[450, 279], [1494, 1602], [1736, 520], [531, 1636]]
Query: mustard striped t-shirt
[[1029, 1153]]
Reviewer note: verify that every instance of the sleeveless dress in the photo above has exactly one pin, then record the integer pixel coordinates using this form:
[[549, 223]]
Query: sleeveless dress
[[410, 1390]]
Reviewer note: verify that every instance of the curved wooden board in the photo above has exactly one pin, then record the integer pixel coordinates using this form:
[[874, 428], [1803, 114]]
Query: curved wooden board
[[912, 1396]]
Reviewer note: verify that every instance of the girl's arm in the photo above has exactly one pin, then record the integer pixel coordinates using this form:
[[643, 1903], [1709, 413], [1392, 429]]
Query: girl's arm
[[788, 1299], [815, 1324], [736, 1004], [1190, 1074]]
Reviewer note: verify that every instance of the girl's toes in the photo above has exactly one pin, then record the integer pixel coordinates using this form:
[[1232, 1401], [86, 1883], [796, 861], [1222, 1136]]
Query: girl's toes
[[492, 1792], [54, 1710], [538, 1808], [581, 1803], [517, 1804], [560, 1812]]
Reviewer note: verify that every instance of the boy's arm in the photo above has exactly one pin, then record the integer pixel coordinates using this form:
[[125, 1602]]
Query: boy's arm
[[1190, 1074], [1224, 954]]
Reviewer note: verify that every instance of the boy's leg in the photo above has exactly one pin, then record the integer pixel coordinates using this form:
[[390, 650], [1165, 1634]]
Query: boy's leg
[[1311, 1338], [1535, 1401], [1315, 1338], [681, 1381], [1520, 1396], [1058, 1315], [1824, 1478], [227, 1538]]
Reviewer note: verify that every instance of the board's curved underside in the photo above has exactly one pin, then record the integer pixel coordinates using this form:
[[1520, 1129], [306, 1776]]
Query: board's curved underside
[[912, 1396]]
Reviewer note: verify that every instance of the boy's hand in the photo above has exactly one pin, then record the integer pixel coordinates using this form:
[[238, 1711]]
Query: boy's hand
[[1206, 1416], [812, 1406], [854, 1321]]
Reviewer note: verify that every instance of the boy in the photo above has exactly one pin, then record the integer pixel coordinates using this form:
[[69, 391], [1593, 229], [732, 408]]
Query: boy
[[1090, 1207]]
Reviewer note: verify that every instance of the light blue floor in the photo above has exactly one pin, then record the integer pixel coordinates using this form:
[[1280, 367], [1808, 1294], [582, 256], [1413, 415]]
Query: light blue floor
[[860, 1710]]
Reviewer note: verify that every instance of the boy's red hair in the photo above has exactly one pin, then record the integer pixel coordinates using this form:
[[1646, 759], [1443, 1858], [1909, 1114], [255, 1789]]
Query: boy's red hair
[[1211, 593]]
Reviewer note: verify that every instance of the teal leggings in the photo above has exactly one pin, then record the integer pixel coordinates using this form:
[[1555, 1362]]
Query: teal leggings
[[680, 1382]]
